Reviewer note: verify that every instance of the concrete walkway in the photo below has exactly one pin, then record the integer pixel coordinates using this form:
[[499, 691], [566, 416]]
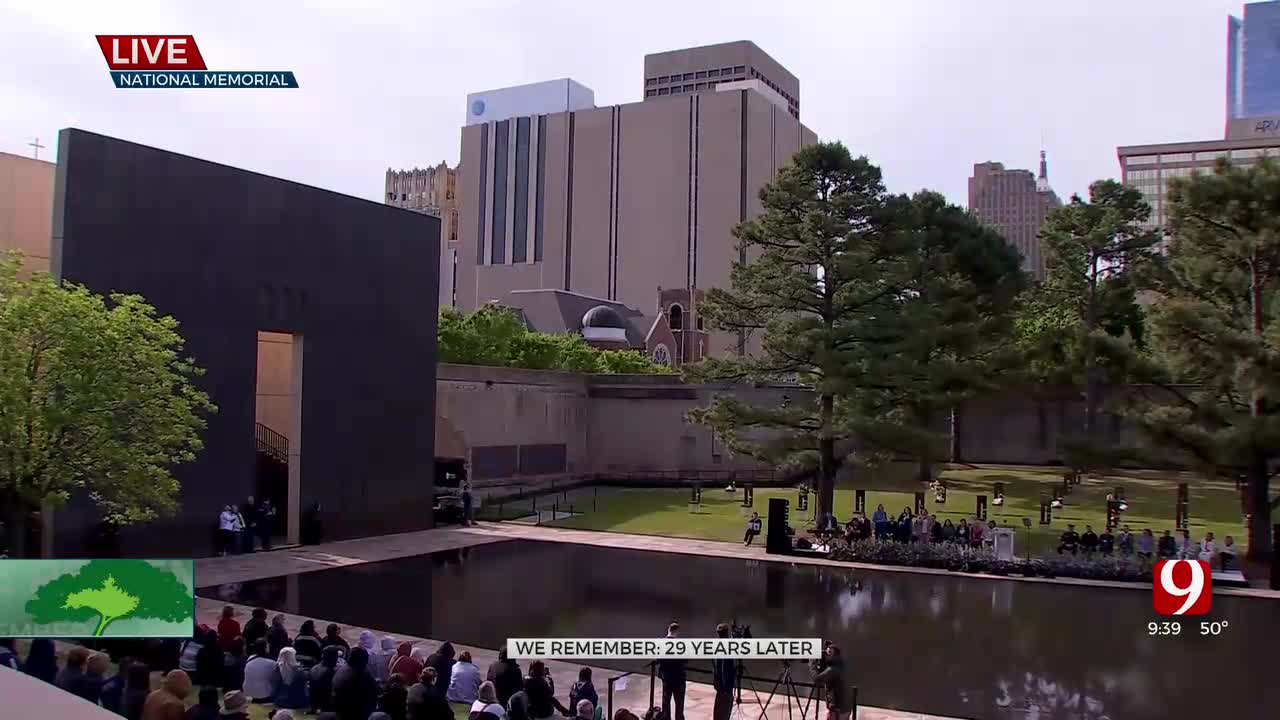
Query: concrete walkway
[[633, 694]]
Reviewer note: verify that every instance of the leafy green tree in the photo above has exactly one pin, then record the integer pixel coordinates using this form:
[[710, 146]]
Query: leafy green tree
[[112, 590], [494, 335], [827, 271], [1215, 333], [1070, 325], [95, 396]]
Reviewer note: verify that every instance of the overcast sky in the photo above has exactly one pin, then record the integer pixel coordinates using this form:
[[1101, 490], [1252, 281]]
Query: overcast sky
[[925, 88]]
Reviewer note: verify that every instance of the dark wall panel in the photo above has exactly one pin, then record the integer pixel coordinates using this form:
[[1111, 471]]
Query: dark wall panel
[[229, 252]]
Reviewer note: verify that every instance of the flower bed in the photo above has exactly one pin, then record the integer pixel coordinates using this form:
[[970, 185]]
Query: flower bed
[[958, 558]]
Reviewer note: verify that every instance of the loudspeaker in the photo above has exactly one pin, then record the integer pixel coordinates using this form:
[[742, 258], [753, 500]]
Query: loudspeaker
[[776, 541]]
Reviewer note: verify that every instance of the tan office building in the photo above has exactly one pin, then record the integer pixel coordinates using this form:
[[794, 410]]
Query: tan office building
[[1149, 168], [621, 201], [1014, 203], [26, 209], [434, 191]]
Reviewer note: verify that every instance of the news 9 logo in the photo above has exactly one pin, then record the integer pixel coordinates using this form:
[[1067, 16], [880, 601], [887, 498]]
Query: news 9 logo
[[1182, 587]]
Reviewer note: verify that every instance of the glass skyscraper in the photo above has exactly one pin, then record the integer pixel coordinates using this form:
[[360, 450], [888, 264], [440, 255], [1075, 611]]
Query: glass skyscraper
[[1253, 61]]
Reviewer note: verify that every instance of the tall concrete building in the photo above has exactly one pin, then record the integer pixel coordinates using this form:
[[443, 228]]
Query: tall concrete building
[[26, 209], [1253, 61], [434, 191], [1014, 203], [742, 63], [1149, 168], [622, 201]]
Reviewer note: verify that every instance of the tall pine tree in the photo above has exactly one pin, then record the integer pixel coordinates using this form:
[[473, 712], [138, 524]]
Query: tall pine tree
[[1215, 332]]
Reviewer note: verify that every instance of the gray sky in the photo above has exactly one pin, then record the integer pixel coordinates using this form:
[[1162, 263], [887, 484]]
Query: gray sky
[[925, 88]]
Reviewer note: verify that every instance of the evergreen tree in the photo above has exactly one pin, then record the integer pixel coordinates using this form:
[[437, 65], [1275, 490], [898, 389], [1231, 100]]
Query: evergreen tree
[[1215, 333]]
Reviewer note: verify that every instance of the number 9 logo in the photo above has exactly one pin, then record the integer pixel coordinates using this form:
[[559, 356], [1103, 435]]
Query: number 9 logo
[[1182, 587]]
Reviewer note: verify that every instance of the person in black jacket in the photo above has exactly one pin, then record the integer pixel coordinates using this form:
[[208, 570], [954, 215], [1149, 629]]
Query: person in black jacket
[[208, 659], [393, 699], [506, 677], [307, 645], [723, 678], [673, 677], [277, 636], [355, 692], [542, 701], [442, 661], [137, 685], [322, 679], [256, 627], [333, 636], [1089, 540], [583, 690], [424, 701], [233, 666]]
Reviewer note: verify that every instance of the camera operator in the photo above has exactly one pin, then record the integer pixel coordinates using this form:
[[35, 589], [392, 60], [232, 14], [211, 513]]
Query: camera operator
[[830, 677], [724, 673]]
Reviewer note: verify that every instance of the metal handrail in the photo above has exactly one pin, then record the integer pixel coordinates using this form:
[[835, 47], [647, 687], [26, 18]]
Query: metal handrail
[[271, 442]]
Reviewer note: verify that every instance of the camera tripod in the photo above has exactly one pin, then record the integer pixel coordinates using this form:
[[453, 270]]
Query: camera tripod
[[783, 681]]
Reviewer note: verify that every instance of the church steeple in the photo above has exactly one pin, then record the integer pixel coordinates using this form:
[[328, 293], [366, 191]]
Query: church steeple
[[1042, 180]]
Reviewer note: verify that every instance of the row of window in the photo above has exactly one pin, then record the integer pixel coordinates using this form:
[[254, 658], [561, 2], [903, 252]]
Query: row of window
[[679, 89], [1201, 156], [699, 75]]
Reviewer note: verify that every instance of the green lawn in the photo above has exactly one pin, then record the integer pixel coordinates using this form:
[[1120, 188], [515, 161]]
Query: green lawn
[[1214, 505]]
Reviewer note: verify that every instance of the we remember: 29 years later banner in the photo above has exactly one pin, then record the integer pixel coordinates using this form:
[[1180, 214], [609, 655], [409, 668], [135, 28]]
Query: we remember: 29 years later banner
[[97, 598]]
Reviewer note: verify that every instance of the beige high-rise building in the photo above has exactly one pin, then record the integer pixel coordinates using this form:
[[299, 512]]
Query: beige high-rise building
[[1014, 203], [432, 190], [621, 201], [26, 209]]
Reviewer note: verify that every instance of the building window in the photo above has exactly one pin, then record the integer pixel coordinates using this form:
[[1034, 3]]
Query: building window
[[713, 73], [404, 196], [663, 78], [739, 69], [1175, 157], [688, 88], [700, 86], [1141, 160], [391, 196], [664, 91], [1245, 153], [675, 317], [700, 74], [650, 82], [726, 71], [688, 76], [650, 93]]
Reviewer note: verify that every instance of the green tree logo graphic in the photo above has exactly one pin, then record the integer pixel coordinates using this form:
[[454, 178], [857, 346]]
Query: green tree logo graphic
[[112, 590]]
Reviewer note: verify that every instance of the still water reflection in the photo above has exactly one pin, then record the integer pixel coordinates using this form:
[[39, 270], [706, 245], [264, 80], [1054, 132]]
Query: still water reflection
[[936, 644]]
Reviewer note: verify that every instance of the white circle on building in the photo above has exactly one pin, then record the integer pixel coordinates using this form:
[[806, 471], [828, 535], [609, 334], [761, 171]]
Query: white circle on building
[[661, 354], [477, 107]]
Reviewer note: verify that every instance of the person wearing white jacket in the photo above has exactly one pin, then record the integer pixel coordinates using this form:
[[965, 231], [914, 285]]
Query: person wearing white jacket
[[464, 686]]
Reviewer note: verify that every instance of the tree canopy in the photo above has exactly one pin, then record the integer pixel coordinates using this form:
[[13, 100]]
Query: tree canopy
[[883, 304], [1214, 373], [496, 336], [95, 396], [112, 590]]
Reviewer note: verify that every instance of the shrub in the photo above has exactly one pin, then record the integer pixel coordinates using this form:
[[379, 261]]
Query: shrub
[[959, 558]]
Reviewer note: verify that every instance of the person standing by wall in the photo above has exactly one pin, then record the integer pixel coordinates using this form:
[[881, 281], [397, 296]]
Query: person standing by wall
[[466, 502], [723, 678], [673, 677]]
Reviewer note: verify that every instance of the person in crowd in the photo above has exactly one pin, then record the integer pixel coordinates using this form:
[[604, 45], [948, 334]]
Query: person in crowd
[[1146, 544], [380, 660], [1089, 541], [207, 706], [989, 535], [935, 530], [880, 519], [486, 705], [249, 518], [322, 679], [1070, 540], [191, 651], [394, 698], [624, 714], [370, 645], [586, 710], [208, 658], [42, 660], [1208, 548], [948, 531], [442, 661], [277, 636], [71, 677], [235, 706], [308, 645], [261, 673], [404, 662], [753, 529], [467, 500], [1125, 541], [424, 700], [903, 533], [537, 690], [1227, 556], [355, 694], [583, 689], [673, 675], [137, 686], [518, 707], [256, 627], [1167, 547], [506, 676], [169, 701], [226, 529], [233, 661], [293, 690], [266, 513], [333, 636], [228, 628], [288, 715], [113, 687], [1106, 542], [95, 676], [1188, 549], [977, 533], [464, 680], [9, 656], [962, 532], [918, 528], [723, 678], [836, 689]]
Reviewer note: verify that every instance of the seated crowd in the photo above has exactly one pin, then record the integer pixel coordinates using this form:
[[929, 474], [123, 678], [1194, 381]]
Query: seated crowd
[[260, 664], [907, 527], [1146, 547]]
